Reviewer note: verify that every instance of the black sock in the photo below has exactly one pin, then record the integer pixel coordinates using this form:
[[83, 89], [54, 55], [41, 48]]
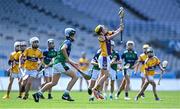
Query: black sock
[[126, 94]]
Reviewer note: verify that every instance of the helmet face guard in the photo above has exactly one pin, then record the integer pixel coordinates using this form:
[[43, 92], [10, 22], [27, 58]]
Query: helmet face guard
[[51, 43], [35, 44], [70, 33]]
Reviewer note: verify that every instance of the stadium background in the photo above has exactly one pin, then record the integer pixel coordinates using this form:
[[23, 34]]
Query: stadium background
[[156, 22]]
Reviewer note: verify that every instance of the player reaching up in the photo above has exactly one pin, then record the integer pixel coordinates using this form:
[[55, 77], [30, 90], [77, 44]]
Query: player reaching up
[[104, 58]]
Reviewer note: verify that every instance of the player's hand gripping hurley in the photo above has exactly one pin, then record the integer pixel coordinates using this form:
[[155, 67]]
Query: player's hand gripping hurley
[[121, 15], [164, 65]]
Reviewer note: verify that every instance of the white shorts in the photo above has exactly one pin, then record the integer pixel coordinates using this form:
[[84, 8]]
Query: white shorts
[[104, 62], [31, 73], [48, 72], [128, 72], [59, 68], [95, 74], [142, 75], [16, 75], [22, 70], [112, 74], [150, 78]]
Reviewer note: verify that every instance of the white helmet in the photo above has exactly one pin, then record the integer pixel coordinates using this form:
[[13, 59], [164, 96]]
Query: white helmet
[[50, 40], [34, 39], [23, 43], [112, 43], [17, 43], [69, 31], [130, 42]]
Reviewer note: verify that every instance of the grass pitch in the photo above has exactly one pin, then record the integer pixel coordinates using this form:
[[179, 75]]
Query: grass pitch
[[170, 99]]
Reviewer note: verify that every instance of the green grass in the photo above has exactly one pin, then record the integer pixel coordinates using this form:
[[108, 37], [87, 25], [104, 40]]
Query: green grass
[[170, 99]]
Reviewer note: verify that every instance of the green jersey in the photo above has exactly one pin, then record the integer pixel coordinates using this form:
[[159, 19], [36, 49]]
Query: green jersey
[[48, 55], [60, 58], [129, 57], [115, 55]]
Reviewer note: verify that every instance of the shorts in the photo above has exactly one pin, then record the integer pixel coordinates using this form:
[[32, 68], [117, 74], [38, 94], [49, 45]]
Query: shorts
[[142, 75], [31, 73], [59, 68], [150, 78], [104, 62], [95, 74], [112, 74], [16, 75], [128, 72], [48, 72]]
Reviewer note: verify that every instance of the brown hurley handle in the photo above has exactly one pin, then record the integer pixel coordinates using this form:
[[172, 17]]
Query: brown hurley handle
[[87, 77]]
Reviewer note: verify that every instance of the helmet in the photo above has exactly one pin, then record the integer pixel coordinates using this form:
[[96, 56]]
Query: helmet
[[17, 43], [34, 39], [50, 40], [23, 43], [150, 50], [130, 42], [145, 46], [69, 32], [98, 29], [112, 43]]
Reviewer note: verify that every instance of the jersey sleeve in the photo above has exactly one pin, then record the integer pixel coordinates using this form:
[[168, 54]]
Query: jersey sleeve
[[158, 61], [40, 55], [45, 53], [123, 56], [67, 43], [25, 53]]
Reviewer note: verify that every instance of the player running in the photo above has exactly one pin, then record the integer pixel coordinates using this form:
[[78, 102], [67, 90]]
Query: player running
[[48, 55], [14, 68], [22, 69], [141, 60], [104, 58], [130, 58], [150, 65], [60, 65], [83, 65], [95, 74], [31, 55], [115, 60]]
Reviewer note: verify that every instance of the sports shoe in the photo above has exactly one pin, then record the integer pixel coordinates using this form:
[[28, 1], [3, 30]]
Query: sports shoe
[[157, 99], [127, 98], [36, 97], [111, 97], [95, 92], [6, 97], [89, 91], [49, 96], [135, 98], [19, 96], [91, 98], [67, 97], [25, 96], [116, 96]]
